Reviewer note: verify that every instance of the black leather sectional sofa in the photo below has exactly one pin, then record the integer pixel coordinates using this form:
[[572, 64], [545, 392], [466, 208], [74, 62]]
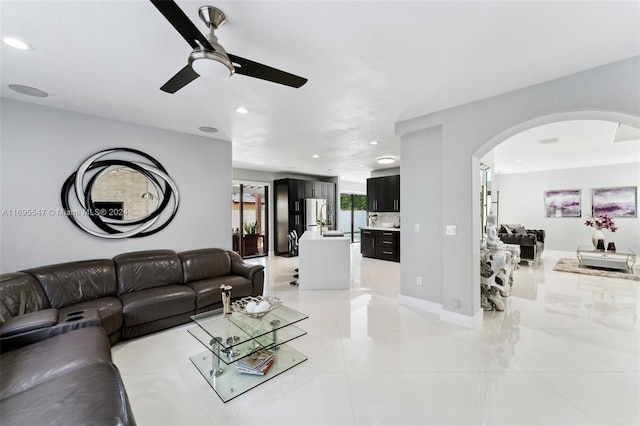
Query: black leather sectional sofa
[[58, 322]]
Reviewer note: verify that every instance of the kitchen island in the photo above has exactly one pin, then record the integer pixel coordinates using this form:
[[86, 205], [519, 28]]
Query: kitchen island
[[324, 263]]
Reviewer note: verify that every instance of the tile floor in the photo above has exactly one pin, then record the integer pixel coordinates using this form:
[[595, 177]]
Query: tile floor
[[565, 352]]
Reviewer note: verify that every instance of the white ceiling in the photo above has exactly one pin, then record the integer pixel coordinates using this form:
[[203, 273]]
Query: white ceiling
[[580, 143], [370, 64]]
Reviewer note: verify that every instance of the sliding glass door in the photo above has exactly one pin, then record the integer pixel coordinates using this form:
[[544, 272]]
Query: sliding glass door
[[250, 222], [353, 214]]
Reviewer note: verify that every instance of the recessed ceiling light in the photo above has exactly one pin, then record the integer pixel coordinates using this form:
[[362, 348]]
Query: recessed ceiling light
[[28, 90], [17, 43], [374, 143], [387, 159], [242, 110], [519, 160], [208, 129], [360, 165], [315, 156]]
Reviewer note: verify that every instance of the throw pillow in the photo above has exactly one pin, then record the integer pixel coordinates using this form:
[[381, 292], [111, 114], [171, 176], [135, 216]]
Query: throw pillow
[[520, 230]]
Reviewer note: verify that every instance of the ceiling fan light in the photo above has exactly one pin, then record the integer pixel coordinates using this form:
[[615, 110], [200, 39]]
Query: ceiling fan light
[[211, 64], [387, 159]]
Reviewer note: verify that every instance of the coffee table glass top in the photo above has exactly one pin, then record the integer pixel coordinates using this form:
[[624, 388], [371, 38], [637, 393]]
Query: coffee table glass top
[[601, 253]]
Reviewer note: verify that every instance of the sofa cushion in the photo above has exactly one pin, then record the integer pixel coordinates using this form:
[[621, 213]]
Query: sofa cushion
[[90, 395], [70, 283], [204, 263], [31, 365], [519, 230], [152, 304], [21, 294], [147, 269]]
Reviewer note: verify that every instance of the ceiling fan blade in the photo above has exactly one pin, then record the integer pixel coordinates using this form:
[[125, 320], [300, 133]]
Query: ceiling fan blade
[[185, 76], [263, 72], [182, 23]]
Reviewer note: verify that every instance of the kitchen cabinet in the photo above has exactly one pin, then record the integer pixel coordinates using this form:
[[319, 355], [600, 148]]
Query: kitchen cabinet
[[380, 244], [383, 194], [289, 207], [367, 243]]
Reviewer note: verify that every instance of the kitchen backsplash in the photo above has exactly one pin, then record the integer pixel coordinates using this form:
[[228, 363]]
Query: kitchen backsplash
[[386, 218]]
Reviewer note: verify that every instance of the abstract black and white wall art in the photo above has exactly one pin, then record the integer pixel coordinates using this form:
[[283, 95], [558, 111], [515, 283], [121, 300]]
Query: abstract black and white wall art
[[562, 203], [615, 202], [122, 197]]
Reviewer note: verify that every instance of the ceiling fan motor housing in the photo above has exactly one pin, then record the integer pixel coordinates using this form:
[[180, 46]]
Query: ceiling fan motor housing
[[201, 59]]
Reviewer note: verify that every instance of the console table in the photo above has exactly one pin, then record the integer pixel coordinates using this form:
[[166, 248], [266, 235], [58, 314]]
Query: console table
[[233, 337], [620, 259], [496, 274]]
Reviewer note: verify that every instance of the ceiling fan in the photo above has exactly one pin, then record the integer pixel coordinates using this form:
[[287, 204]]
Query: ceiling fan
[[209, 58]]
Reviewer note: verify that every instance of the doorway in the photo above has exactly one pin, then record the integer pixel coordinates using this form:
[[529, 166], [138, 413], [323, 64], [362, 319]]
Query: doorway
[[353, 215], [250, 220]]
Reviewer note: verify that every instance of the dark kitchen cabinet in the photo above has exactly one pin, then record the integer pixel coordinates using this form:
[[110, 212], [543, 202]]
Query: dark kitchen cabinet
[[367, 243], [378, 244], [383, 194], [290, 195]]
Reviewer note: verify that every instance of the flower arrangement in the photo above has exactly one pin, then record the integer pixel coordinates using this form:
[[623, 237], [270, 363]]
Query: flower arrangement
[[602, 222]]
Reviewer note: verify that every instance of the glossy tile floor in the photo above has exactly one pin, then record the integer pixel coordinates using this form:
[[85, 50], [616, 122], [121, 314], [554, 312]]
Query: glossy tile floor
[[566, 352]]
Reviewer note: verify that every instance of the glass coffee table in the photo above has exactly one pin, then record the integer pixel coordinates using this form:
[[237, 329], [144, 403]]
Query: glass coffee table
[[620, 259], [230, 338]]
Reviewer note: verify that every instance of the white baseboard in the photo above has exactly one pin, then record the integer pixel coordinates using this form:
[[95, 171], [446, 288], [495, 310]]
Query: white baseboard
[[445, 315], [423, 305]]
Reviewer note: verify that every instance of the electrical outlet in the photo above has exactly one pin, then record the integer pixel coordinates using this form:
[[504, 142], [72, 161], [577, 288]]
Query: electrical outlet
[[450, 230], [417, 227], [419, 281]]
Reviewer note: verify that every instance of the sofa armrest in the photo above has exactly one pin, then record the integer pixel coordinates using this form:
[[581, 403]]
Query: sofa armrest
[[246, 270], [518, 239], [29, 322], [254, 273], [27, 329], [539, 233]]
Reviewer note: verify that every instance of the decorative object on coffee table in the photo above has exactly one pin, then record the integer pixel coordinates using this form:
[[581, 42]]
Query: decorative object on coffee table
[[600, 222], [600, 244], [611, 246], [226, 298], [256, 307]]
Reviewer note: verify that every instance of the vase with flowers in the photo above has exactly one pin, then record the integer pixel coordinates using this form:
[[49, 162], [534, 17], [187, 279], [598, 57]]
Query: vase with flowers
[[600, 223]]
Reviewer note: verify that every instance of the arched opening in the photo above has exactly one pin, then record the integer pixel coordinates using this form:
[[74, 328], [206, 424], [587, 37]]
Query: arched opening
[[616, 156]]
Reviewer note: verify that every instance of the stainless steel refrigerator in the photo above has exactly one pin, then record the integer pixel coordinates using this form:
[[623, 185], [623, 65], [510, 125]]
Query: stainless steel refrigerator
[[314, 209]]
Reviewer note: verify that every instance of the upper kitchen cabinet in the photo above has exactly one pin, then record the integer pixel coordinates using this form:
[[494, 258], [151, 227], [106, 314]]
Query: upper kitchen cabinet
[[383, 194]]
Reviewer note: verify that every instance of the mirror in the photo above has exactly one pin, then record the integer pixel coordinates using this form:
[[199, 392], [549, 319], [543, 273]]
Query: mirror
[[122, 198], [124, 194]]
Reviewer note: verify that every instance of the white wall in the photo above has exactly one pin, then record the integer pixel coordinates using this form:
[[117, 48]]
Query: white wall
[[521, 201], [610, 92], [42, 146]]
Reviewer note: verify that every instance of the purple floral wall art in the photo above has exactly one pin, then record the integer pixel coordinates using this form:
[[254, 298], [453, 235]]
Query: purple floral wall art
[[562, 203], [615, 202]]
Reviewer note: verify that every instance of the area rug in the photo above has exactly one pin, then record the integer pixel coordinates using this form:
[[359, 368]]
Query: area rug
[[565, 264]]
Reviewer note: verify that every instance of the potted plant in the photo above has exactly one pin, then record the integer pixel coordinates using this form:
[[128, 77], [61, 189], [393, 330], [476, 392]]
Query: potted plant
[[250, 238]]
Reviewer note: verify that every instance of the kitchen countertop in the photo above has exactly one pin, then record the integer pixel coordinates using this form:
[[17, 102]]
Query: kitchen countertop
[[379, 228]]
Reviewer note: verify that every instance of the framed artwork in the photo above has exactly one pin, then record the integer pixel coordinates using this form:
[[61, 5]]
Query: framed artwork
[[562, 203], [615, 202]]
